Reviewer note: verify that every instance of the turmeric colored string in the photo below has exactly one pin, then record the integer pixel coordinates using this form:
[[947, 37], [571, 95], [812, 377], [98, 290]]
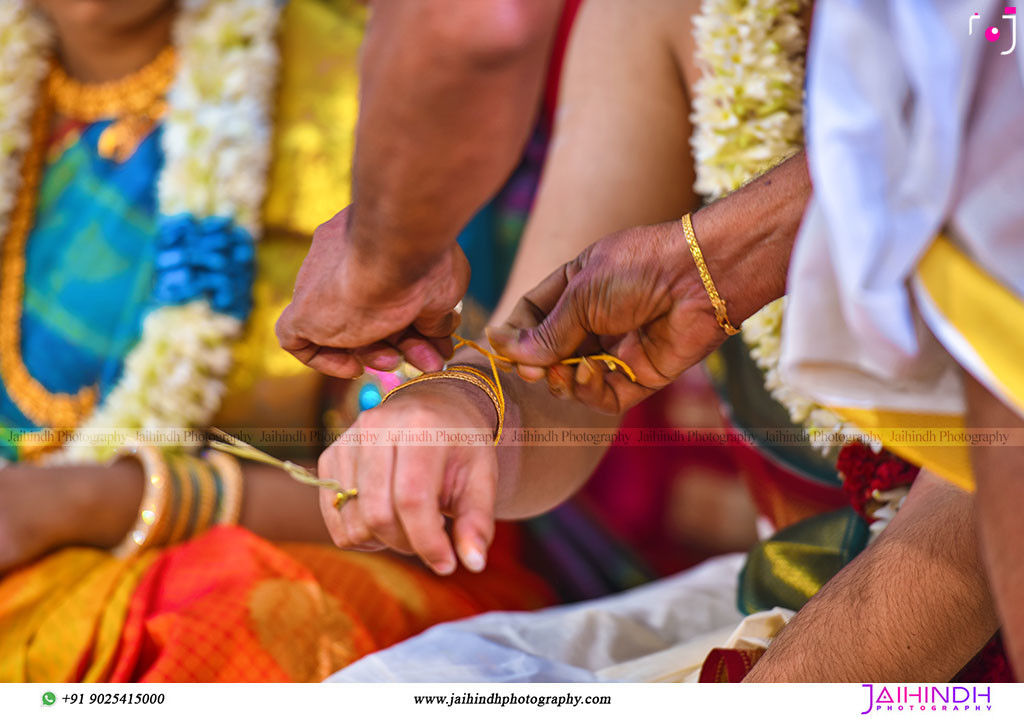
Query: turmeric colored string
[[612, 362], [491, 385]]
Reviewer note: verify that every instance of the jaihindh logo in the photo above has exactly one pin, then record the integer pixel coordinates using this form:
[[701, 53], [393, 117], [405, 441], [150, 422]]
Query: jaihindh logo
[[948, 698]]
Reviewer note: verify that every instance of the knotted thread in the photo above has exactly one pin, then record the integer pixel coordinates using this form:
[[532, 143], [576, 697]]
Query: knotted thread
[[491, 385]]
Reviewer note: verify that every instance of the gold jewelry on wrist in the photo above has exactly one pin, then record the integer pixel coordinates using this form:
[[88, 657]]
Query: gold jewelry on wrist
[[469, 374], [184, 492], [153, 514], [229, 472], [206, 498], [717, 302]]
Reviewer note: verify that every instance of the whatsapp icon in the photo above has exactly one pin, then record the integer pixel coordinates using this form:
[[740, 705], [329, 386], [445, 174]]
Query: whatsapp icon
[[49, 698]]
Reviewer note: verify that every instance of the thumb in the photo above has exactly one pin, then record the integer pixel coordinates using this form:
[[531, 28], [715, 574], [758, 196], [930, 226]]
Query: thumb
[[557, 337]]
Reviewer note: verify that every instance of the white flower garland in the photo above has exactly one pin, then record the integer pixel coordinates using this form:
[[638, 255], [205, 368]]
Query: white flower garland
[[24, 47], [216, 145], [748, 117]]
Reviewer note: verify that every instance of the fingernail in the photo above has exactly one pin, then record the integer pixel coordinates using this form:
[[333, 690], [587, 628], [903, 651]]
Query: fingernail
[[558, 389], [584, 373], [445, 568], [473, 558]]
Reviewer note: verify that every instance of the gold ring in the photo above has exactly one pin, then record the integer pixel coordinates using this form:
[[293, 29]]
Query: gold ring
[[342, 497]]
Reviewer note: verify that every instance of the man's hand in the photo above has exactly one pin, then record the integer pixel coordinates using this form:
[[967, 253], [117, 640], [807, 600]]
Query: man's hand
[[349, 311], [636, 295], [381, 279]]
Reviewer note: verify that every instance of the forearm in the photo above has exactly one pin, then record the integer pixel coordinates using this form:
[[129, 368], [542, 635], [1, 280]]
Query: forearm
[[103, 503], [999, 473], [747, 237], [913, 607], [469, 78]]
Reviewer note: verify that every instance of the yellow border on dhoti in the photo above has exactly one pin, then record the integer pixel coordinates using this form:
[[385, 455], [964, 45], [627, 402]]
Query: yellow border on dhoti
[[988, 319]]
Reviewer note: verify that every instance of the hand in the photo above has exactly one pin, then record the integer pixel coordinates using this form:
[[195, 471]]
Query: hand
[[351, 310], [405, 492], [635, 295]]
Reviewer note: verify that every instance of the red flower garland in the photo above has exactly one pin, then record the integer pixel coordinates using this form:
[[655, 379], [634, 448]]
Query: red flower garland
[[863, 472]]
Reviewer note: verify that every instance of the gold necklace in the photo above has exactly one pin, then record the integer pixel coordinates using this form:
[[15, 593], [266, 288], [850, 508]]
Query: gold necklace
[[136, 102], [42, 407]]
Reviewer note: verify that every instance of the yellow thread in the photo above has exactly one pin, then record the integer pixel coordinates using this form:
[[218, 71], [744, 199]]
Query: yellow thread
[[491, 385]]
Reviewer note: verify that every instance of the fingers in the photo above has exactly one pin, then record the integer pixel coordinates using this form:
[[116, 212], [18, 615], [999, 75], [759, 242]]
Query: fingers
[[425, 354], [405, 491], [340, 319], [339, 363], [381, 356], [473, 507], [438, 317], [556, 336], [374, 505], [438, 326], [337, 463], [419, 471]]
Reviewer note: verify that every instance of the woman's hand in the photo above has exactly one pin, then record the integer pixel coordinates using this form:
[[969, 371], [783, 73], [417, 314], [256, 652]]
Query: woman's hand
[[46, 508], [406, 491]]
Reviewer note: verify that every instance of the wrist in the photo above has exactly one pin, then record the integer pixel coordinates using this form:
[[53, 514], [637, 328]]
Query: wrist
[[747, 260], [105, 504], [472, 404], [390, 255]]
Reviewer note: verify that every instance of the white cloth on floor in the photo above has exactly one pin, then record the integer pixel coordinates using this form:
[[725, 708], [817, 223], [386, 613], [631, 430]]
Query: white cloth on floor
[[609, 639]]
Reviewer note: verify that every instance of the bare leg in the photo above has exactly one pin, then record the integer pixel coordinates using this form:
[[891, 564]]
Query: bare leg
[[999, 472]]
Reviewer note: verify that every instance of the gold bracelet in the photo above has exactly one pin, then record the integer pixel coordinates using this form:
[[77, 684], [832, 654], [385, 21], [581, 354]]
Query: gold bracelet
[[185, 494], [153, 516], [717, 302], [469, 374], [206, 500]]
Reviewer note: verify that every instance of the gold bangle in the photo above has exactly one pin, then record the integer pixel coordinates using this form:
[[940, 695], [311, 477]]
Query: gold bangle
[[469, 374], [717, 302], [229, 473], [152, 519], [206, 500], [185, 494]]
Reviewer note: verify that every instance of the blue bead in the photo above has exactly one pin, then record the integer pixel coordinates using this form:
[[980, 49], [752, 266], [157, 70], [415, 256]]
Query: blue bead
[[369, 397]]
